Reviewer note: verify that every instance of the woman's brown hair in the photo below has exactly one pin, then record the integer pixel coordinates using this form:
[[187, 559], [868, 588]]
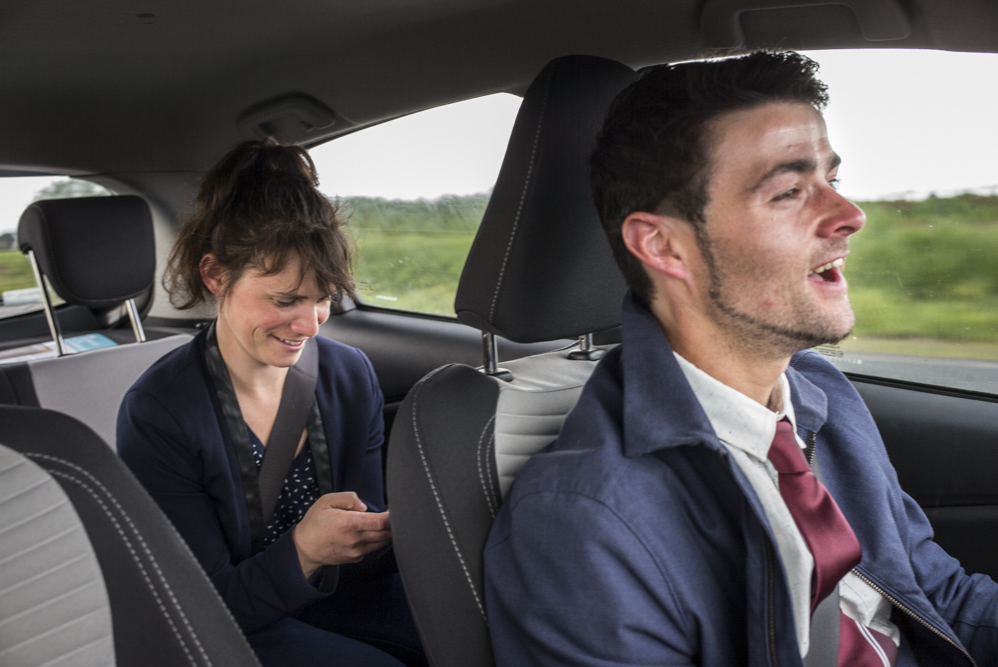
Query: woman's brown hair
[[260, 208]]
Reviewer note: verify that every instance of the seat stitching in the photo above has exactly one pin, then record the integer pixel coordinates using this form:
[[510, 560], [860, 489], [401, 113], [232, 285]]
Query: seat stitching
[[440, 507], [142, 543], [488, 489], [523, 199]]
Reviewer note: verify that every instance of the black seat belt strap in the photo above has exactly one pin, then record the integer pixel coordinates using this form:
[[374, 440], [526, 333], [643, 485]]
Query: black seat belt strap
[[298, 396]]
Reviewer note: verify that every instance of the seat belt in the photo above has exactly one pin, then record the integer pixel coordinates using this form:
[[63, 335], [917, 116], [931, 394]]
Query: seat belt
[[823, 646], [297, 399], [298, 402]]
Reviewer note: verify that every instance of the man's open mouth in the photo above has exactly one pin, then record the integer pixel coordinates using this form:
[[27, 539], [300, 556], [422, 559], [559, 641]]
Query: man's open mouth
[[830, 272]]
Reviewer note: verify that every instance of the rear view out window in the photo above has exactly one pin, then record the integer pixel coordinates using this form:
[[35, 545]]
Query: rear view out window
[[414, 191], [916, 133], [18, 289]]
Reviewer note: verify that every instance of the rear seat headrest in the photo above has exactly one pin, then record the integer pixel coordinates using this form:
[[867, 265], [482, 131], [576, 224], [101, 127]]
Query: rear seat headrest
[[540, 267], [96, 251]]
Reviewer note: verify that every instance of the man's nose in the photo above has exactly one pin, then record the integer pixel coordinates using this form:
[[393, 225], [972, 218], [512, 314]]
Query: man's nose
[[841, 216]]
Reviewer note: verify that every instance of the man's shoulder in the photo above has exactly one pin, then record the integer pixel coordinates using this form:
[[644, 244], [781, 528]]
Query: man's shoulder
[[588, 455], [822, 374]]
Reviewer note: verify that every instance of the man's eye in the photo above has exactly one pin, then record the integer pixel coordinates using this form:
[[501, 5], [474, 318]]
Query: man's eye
[[835, 182], [285, 304], [789, 194]]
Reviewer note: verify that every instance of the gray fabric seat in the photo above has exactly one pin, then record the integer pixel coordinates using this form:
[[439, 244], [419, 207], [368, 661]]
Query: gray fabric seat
[[540, 269], [97, 252], [92, 571], [54, 608]]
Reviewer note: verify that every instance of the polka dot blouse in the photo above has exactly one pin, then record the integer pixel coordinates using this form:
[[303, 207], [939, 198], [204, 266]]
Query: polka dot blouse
[[301, 489]]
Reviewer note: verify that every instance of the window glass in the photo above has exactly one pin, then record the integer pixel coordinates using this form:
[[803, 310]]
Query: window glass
[[414, 191], [916, 133], [18, 289]]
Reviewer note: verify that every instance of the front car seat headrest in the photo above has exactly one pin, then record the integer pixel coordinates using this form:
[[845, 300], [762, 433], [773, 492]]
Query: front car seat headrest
[[96, 251], [540, 267]]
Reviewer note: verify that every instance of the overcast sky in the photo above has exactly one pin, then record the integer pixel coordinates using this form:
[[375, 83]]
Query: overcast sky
[[906, 123]]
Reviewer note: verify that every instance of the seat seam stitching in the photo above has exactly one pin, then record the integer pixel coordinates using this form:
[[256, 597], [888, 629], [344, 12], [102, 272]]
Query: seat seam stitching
[[523, 199], [440, 507], [142, 543], [487, 489]]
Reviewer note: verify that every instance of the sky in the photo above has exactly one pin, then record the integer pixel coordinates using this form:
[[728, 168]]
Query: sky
[[906, 123]]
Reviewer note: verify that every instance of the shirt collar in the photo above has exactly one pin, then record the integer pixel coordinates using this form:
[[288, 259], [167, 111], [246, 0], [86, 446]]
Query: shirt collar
[[738, 420], [660, 408]]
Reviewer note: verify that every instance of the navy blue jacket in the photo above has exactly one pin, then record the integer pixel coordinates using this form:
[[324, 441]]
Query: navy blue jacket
[[635, 540], [172, 435]]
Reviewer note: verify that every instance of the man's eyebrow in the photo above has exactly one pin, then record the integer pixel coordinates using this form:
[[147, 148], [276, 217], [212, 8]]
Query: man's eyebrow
[[802, 166]]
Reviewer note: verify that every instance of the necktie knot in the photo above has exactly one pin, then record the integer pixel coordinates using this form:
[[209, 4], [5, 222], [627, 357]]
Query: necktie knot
[[785, 453]]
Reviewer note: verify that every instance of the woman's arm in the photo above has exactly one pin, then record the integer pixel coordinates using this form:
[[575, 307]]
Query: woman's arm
[[178, 471]]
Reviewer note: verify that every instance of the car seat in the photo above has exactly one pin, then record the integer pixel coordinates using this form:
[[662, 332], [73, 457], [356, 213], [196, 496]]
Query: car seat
[[96, 252], [540, 269], [93, 572]]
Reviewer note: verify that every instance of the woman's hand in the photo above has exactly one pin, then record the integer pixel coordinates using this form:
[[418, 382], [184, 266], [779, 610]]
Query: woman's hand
[[337, 529]]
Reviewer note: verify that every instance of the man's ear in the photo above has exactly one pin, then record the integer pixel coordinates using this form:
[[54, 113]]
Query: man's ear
[[659, 241], [212, 274]]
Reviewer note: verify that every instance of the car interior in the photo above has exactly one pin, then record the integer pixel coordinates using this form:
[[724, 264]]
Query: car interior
[[138, 99]]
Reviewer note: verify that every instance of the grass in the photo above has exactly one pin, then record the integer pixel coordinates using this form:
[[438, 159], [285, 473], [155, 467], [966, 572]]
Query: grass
[[923, 275], [15, 271]]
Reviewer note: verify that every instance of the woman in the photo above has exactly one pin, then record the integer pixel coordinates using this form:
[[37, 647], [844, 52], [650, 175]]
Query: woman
[[308, 579]]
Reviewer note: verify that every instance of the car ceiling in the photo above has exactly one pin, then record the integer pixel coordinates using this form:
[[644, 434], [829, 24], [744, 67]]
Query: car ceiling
[[123, 88]]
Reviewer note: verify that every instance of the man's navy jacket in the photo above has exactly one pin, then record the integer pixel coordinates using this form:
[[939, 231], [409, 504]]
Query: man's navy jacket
[[172, 434], [636, 540]]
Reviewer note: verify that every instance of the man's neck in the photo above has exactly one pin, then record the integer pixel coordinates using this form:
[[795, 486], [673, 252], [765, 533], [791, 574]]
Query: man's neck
[[748, 371]]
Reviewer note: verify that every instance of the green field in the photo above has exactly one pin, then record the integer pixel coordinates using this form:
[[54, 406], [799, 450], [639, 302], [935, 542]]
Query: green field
[[923, 275], [15, 271]]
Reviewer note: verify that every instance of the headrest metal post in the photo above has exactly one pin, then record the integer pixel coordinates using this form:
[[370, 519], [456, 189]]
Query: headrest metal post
[[586, 350], [53, 321], [133, 315], [491, 352]]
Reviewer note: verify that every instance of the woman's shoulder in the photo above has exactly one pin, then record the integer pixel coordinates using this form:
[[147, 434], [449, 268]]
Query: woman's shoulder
[[345, 366], [175, 371], [333, 351]]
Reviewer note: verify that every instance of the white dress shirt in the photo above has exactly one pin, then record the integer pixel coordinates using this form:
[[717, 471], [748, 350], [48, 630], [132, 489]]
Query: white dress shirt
[[746, 430]]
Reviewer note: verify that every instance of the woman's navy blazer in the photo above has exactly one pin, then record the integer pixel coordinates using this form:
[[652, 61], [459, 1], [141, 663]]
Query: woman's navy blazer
[[172, 435]]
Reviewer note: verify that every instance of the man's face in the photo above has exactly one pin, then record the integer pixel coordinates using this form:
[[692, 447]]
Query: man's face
[[776, 231]]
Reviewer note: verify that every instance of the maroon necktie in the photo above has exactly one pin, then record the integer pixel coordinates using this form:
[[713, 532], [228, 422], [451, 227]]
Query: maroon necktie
[[832, 543]]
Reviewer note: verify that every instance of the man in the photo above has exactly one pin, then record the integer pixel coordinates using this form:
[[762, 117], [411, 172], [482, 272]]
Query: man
[[676, 521]]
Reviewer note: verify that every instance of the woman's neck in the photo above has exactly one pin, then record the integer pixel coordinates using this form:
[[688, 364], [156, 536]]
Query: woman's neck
[[249, 376]]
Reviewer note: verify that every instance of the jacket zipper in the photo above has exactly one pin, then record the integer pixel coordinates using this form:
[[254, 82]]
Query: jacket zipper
[[771, 601], [809, 451], [894, 601]]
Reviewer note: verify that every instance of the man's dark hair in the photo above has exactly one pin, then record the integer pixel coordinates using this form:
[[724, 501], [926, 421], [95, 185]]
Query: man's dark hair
[[652, 153]]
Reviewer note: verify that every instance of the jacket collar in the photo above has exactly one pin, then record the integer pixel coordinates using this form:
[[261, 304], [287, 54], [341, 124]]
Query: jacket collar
[[660, 408]]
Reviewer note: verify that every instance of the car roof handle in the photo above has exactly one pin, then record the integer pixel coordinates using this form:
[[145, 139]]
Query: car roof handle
[[879, 20]]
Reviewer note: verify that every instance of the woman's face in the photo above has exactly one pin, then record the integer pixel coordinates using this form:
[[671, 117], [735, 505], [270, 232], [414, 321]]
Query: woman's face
[[264, 320]]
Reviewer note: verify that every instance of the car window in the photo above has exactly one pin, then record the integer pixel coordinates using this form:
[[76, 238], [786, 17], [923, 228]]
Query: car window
[[916, 133], [414, 191], [18, 288]]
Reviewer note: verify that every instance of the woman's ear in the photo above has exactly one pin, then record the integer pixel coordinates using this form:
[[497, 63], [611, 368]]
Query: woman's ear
[[212, 274], [661, 242]]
